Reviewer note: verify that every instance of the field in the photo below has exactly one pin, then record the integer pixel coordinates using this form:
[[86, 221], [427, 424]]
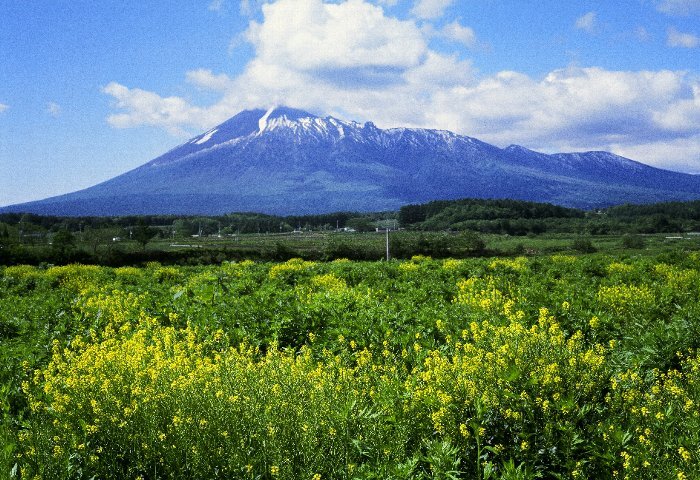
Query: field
[[315, 244], [324, 245], [546, 366]]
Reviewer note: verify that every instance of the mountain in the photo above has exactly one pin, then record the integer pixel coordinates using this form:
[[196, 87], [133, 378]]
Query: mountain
[[287, 161]]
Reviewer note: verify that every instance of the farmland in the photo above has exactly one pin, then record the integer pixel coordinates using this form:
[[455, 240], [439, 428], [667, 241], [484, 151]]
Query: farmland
[[571, 366], [441, 229]]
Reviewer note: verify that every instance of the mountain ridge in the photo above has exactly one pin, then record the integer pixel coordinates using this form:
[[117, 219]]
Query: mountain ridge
[[287, 161]]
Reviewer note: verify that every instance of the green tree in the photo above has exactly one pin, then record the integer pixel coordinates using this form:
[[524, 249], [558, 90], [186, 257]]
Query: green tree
[[633, 242], [94, 237], [63, 242], [143, 234], [183, 228], [470, 243], [360, 224], [583, 245], [4, 234]]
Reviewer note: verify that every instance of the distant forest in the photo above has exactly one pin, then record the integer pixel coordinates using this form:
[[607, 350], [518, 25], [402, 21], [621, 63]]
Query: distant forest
[[515, 217], [511, 217]]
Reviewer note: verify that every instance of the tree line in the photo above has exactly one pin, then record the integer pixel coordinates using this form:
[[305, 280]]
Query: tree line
[[440, 228], [515, 217]]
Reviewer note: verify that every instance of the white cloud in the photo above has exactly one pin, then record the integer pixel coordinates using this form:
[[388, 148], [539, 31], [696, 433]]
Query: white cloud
[[459, 33], [313, 35], [53, 109], [142, 108], [204, 78], [681, 154], [586, 22], [679, 7], [683, 115], [430, 9], [3, 107], [439, 70], [588, 105], [679, 39], [353, 61]]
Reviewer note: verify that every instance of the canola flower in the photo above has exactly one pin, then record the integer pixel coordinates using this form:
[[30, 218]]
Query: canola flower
[[518, 265], [290, 268], [161, 389], [519, 375], [347, 370], [481, 294], [674, 444], [625, 300], [157, 389]]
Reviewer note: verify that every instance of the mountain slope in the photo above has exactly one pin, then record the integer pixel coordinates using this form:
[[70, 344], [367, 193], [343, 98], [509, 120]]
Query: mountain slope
[[287, 161]]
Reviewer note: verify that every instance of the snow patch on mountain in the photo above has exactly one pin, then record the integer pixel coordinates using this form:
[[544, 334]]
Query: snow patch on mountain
[[338, 125], [602, 160], [262, 123], [207, 136]]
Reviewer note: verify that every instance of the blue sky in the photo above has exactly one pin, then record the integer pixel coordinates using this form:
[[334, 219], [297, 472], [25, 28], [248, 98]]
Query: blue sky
[[89, 90]]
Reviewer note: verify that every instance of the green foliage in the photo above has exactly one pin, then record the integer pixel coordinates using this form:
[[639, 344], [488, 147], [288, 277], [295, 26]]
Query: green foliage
[[360, 224], [557, 366], [63, 241], [143, 234], [494, 216], [583, 245], [429, 229], [633, 242]]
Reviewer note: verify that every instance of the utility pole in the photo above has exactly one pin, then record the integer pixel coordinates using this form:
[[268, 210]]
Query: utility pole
[[387, 244]]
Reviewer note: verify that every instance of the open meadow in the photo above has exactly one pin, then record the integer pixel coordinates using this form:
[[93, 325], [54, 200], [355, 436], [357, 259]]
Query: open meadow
[[547, 366]]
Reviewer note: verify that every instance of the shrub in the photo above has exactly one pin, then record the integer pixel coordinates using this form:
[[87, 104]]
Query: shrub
[[583, 245], [633, 242]]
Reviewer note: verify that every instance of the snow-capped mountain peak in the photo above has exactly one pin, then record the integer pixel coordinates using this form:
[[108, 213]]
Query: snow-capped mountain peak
[[300, 124]]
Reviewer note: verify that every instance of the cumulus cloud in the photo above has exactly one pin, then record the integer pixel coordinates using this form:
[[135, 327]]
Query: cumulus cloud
[[353, 61], [430, 9], [575, 107], [143, 108], [586, 22], [459, 33], [680, 154], [3, 107], [683, 40], [313, 35], [679, 7]]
